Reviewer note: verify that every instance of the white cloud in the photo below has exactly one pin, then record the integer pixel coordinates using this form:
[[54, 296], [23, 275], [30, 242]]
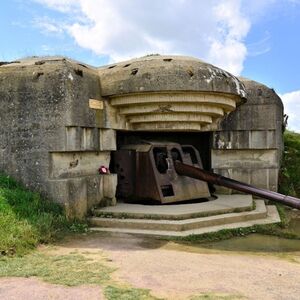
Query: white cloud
[[291, 103], [60, 5], [49, 26], [213, 30], [227, 49]]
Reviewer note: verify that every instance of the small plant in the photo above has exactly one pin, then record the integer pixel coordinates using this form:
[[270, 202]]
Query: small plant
[[119, 293]]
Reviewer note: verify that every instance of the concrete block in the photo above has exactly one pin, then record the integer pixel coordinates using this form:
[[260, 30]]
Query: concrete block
[[59, 191], [73, 164], [90, 138], [77, 205], [71, 194], [73, 138], [261, 178], [246, 139], [110, 182], [108, 140], [94, 190], [273, 179], [239, 159]]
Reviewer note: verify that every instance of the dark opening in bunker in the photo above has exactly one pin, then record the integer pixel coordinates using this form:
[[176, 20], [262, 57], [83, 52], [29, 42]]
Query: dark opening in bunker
[[144, 162], [202, 141]]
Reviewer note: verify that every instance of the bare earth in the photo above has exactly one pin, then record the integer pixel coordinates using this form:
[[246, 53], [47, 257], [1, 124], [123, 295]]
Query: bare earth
[[31, 289], [171, 271]]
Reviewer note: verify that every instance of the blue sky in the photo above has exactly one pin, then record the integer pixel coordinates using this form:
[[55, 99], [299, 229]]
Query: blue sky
[[258, 39]]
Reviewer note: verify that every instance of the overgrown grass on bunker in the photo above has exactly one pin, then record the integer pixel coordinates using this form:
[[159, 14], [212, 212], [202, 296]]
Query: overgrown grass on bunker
[[27, 220]]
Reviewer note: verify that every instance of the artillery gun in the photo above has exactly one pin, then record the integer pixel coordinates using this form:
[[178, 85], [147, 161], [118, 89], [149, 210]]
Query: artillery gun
[[170, 172]]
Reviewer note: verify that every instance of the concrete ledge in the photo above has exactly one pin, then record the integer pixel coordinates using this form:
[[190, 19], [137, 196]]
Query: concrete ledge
[[223, 204], [260, 212], [272, 216]]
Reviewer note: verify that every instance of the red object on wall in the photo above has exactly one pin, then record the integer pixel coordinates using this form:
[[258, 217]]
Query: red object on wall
[[103, 170]]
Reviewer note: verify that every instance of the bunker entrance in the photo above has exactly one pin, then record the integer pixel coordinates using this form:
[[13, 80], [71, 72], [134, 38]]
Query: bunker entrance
[[144, 162], [202, 141]]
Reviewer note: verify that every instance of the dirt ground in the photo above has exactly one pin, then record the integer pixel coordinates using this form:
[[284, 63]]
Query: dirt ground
[[171, 271], [32, 289]]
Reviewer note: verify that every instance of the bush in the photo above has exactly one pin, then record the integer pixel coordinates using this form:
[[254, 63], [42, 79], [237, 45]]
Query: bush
[[289, 180]]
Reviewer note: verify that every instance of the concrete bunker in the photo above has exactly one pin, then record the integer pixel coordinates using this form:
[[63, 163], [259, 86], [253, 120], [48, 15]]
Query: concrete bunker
[[61, 120]]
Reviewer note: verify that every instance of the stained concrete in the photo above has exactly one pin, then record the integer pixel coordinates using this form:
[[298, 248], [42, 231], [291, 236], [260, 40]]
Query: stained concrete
[[248, 144], [262, 215], [223, 204], [60, 118]]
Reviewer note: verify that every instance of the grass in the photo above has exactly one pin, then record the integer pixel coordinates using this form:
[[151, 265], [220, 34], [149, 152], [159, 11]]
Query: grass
[[225, 234], [289, 181], [27, 220], [73, 269], [119, 293], [211, 296], [70, 270]]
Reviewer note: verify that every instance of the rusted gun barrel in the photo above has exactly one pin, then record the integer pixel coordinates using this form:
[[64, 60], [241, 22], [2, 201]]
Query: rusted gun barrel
[[210, 177]]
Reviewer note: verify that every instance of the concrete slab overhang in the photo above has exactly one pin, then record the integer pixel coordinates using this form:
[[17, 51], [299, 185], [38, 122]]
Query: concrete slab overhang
[[170, 93]]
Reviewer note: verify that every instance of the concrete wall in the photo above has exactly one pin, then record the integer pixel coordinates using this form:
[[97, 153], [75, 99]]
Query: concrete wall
[[50, 138], [248, 144]]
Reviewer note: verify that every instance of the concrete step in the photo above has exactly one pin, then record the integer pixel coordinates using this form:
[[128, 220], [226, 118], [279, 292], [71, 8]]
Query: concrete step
[[222, 205], [259, 212], [272, 216]]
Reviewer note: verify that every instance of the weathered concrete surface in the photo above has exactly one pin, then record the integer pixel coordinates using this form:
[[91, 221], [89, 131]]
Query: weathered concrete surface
[[50, 138], [147, 226], [248, 144], [169, 93], [59, 120], [157, 73], [223, 204]]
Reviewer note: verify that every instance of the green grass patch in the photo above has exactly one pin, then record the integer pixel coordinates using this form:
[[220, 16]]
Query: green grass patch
[[269, 229], [118, 293], [212, 296], [73, 269], [70, 270], [289, 180], [27, 220]]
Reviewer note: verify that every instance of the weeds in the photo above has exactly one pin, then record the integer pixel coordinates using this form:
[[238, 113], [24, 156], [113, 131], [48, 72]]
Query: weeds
[[70, 270], [119, 293]]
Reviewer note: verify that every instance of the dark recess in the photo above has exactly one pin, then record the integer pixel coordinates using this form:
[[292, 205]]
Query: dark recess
[[200, 140]]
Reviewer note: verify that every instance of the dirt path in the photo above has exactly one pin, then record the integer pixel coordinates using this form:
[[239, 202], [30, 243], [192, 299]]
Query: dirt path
[[173, 271], [34, 289]]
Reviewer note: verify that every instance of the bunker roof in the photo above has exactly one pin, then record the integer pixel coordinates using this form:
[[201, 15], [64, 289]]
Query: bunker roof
[[157, 73], [258, 93]]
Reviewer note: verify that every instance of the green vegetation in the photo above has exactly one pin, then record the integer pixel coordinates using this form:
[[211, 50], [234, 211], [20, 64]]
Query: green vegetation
[[289, 181], [269, 229], [73, 269], [70, 270], [118, 293], [27, 220], [211, 296]]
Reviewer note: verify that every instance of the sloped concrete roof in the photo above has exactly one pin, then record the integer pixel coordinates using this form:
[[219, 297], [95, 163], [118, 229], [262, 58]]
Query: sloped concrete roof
[[158, 73], [258, 93]]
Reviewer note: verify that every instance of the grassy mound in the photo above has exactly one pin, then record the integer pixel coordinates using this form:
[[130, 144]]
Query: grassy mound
[[289, 181], [27, 220]]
